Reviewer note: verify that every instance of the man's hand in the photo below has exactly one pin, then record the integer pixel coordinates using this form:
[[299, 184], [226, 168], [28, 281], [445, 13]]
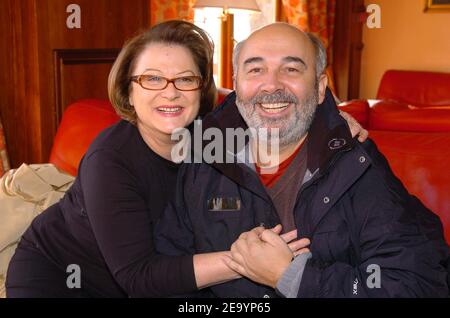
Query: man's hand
[[296, 246], [262, 255], [355, 128]]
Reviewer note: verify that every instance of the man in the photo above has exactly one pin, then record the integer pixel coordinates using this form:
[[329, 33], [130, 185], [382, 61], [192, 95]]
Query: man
[[368, 237]]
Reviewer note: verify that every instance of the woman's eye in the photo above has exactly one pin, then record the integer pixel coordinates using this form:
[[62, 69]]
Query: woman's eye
[[185, 79], [151, 78]]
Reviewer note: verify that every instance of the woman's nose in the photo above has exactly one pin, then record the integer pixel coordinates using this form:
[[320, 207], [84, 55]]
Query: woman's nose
[[170, 92]]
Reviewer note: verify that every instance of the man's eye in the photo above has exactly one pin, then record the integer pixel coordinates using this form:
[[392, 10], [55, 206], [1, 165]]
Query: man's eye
[[292, 70], [255, 70]]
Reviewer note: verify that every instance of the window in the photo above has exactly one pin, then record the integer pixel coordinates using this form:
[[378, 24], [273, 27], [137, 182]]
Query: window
[[245, 22]]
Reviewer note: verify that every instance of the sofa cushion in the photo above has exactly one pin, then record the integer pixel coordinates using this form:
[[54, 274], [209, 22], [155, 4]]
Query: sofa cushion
[[416, 88], [393, 116], [420, 162]]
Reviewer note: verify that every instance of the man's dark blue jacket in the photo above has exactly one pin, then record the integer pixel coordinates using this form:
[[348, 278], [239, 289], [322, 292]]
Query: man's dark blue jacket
[[356, 213]]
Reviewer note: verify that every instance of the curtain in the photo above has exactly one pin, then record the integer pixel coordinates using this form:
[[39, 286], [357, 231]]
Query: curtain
[[4, 162], [317, 17], [163, 10]]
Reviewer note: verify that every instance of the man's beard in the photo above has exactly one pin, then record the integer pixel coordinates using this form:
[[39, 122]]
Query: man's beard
[[292, 127]]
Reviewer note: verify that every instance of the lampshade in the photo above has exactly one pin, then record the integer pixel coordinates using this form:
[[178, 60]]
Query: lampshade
[[228, 4]]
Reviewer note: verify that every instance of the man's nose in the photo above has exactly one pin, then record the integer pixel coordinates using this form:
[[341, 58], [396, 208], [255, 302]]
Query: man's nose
[[272, 83], [170, 92]]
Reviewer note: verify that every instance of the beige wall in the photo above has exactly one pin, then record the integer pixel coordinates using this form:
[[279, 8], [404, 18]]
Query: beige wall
[[408, 39]]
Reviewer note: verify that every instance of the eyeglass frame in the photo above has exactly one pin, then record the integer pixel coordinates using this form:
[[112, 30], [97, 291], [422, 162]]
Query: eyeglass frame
[[137, 79]]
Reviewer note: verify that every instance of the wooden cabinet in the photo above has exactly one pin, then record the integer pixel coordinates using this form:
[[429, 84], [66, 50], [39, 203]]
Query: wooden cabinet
[[45, 65]]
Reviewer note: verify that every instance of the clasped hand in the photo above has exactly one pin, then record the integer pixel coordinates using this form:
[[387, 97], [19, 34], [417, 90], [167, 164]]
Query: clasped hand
[[263, 255]]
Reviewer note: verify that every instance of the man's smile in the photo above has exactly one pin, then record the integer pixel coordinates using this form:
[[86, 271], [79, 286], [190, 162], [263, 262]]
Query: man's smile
[[273, 108]]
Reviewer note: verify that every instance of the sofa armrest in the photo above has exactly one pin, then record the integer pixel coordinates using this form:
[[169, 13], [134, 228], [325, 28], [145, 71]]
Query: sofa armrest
[[81, 123]]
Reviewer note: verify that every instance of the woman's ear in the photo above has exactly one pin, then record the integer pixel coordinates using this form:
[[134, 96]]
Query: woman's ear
[[323, 82], [130, 100], [130, 94]]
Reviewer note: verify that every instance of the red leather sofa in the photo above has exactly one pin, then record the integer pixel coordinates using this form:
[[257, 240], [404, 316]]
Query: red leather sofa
[[410, 123], [406, 101], [418, 159]]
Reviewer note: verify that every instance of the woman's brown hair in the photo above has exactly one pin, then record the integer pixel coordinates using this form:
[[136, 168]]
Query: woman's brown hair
[[177, 32]]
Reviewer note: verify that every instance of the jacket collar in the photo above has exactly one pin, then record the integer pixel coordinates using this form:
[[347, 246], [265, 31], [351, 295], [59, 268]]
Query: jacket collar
[[328, 135]]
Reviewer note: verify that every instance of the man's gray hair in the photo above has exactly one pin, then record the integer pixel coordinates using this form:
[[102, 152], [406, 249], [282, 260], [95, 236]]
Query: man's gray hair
[[321, 54]]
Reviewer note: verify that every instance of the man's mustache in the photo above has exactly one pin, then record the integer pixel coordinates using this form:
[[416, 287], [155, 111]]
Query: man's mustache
[[277, 97]]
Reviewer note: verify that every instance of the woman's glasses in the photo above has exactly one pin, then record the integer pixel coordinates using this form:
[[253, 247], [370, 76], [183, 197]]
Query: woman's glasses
[[154, 82]]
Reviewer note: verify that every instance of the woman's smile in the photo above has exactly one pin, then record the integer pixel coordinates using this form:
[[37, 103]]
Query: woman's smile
[[170, 110]]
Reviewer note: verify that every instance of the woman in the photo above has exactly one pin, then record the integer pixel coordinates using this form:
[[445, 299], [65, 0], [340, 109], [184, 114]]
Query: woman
[[100, 233]]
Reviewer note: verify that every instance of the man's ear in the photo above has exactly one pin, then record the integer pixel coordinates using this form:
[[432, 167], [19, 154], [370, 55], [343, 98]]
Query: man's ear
[[323, 82]]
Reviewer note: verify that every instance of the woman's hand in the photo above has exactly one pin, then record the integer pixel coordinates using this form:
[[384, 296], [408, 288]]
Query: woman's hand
[[355, 128]]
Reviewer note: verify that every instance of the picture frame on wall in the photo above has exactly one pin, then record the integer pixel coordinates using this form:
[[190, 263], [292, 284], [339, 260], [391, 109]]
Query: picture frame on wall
[[437, 6]]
